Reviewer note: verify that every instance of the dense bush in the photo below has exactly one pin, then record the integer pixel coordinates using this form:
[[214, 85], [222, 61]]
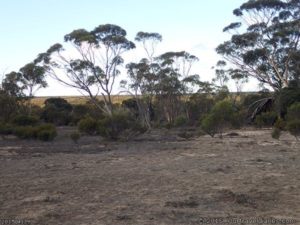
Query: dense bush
[[24, 120], [285, 98], [9, 106], [180, 121], [45, 132], [198, 106], [293, 112], [293, 119], [57, 111], [220, 117], [113, 126], [276, 133], [293, 127], [266, 119], [280, 124], [81, 111], [88, 125], [132, 105]]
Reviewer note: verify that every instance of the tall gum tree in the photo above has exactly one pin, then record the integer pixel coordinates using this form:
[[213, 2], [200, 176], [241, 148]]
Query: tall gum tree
[[94, 63], [265, 41]]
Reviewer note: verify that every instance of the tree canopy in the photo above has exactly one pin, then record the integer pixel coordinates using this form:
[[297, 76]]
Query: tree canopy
[[265, 42]]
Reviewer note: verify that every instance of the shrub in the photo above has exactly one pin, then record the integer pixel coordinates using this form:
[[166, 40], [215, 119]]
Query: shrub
[[59, 103], [25, 132], [220, 117], [280, 124], [180, 121], [112, 126], [45, 132], [285, 98], [198, 106], [9, 106], [294, 127], [82, 111], [293, 119], [209, 125], [23, 120], [57, 111], [88, 125], [75, 136], [276, 133], [293, 112], [266, 119]]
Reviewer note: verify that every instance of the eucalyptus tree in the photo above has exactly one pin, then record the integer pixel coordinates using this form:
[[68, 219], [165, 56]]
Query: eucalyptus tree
[[221, 77], [175, 81], [26, 82], [149, 43], [90, 63], [265, 41], [142, 76]]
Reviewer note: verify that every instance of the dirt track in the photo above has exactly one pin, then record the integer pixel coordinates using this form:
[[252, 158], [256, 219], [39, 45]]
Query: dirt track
[[161, 179]]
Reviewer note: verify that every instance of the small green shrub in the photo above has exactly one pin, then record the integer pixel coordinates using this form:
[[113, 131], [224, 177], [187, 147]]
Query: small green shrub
[[280, 124], [293, 119], [266, 119], [112, 126], [293, 112], [276, 132], [23, 120], [57, 111], [209, 125], [88, 125], [25, 132], [220, 117], [75, 136], [293, 127], [180, 121], [45, 132]]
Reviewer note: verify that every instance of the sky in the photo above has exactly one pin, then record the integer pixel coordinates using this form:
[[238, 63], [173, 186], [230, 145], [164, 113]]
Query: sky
[[30, 27]]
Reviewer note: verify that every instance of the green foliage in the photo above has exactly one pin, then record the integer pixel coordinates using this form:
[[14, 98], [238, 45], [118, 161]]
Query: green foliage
[[57, 111], [209, 125], [75, 136], [44, 132], [220, 117], [88, 125], [266, 119], [280, 124], [199, 105], [293, 112], [222, 93], [112, 126], [24, 120], [285, 98], [25, 132], [180, 121], [293, 119], [273, 31], [9, 106], [293, 127], [276, 133]]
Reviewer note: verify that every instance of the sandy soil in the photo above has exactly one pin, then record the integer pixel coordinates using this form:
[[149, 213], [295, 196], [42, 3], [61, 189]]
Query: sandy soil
[[157, 179]]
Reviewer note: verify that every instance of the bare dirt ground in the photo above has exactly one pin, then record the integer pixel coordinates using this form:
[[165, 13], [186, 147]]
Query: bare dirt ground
[[157, 179]]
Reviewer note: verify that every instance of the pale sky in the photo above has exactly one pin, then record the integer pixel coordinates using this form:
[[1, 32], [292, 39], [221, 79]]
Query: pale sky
[[29, 27]]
